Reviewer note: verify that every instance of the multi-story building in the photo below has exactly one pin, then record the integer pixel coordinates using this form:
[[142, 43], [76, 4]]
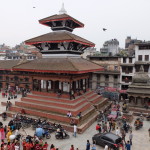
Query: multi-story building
[[110, 48], [142, 56], [89, 51], [110, 77], [127, 71]]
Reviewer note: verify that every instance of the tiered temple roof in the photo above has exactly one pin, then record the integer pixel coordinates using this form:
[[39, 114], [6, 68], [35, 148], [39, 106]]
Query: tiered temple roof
[[48, 20], [61, 65], [58, 37]]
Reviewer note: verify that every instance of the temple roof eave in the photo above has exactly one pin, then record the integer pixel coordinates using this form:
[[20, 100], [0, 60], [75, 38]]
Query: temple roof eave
[[57, 71], [59, 18], [59, 37], [60, 41]]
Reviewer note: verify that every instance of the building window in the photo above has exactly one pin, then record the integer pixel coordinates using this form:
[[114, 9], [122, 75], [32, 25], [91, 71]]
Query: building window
[[1, 77], [98, 77], [106, 77], [130, 60], [116, 68], [106, 84], [115, 85], [146, 57], [124, 60], [140, 58], [115, 76]]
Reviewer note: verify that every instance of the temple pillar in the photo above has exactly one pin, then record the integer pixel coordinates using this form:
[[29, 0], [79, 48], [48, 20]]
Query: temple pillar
[[88, 83], [70, 88], [39, 85], [85, 85], [46, 86], [81, 84], [54, 86], [78, 84], [62, 87]]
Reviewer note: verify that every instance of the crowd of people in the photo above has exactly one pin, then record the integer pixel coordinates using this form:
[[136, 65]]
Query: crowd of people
[[7, 133]]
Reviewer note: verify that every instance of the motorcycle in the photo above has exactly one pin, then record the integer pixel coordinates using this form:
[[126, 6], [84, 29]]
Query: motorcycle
[[139, 125], [62, 135], [46, 134], [4, 116]]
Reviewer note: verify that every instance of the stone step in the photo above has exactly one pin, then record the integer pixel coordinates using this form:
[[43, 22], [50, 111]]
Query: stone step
[[55, 109], [49, 98], [64, 96], [60, 104], [38, 113], [49, 103], [93, 109]]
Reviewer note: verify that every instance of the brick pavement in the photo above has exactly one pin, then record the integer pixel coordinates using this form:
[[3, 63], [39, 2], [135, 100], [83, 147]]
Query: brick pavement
[[140, 137]]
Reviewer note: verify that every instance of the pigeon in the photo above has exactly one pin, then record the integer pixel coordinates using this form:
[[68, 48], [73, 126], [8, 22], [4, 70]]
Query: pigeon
[[104, 29]]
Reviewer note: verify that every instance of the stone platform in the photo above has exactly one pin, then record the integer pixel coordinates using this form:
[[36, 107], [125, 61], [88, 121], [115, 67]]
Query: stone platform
[[55, 109]]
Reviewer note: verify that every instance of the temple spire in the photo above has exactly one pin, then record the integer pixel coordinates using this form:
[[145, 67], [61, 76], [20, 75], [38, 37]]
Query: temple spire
[[62, 11]]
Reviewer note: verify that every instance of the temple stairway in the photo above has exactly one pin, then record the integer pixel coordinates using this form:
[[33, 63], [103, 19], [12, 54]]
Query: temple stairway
[[47, 105]]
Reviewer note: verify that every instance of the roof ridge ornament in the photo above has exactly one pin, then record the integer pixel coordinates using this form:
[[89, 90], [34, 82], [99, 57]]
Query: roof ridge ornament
[[62, 10]]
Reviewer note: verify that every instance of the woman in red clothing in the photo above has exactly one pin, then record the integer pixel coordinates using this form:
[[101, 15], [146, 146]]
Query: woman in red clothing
[[8, 146], [28, 146], [45, 146], [24, 144]]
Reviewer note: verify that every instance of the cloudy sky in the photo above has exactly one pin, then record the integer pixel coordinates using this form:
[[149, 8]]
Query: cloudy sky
[[122, 18]]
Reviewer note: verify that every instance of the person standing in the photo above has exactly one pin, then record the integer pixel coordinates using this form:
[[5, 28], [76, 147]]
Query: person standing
[[123, 134], [106, 147], [110, 125], [75, 130], [130, 137], [98, 127], [7, 106], [128, 146], [88, 145], [93, 146], [117, 131], [105, 127]]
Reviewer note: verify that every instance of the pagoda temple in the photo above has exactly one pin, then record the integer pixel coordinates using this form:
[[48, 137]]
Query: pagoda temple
[[59, 73]]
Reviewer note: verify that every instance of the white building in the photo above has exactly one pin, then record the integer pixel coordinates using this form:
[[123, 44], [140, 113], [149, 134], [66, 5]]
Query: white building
[[131, 65], [89, 52], [110, 48], [142, 56], [127, 71]]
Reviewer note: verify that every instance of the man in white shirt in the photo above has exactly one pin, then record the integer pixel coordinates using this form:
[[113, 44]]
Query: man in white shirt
[[117, 131], [106, 147], [75, 130]]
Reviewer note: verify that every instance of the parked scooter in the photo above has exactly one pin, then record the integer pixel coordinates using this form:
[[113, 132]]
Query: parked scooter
[[62, 135], [138, 124], [4, 116]]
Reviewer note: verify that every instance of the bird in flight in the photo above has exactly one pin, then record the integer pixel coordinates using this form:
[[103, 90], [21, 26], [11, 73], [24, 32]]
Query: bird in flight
[[104, 29], [34, 7]]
